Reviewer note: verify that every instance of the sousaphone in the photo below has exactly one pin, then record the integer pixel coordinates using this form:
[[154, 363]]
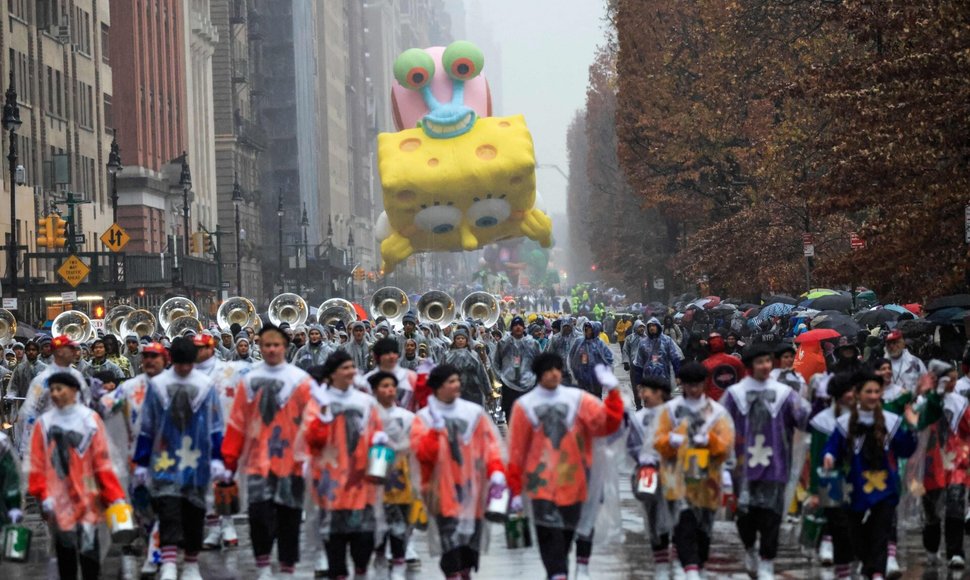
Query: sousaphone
[[481, 306], [73, 324], [8, 326], [116, 318], [391, 303], [175, 308], [140, 323], [236, 310], [436, 307], [289, 308], [334, 310]]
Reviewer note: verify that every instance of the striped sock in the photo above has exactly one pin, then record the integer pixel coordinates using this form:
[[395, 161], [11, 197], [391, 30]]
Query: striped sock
[[673, 553], [191, 557], [170, 554], [826, 538], [287, 568], [891, 550], [691, 567], [661, 556], [399, 561], [211, 520], [582, 561], [843, 571], [262, 561]]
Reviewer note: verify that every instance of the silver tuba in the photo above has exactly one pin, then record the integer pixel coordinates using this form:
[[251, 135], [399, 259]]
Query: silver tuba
[[481, 306], [75, 325], [236, 310], [115, 318], [288, 308], [8, 326], [391, 303], [140, 323], [183, 324], [436, 307], [334, 310], [175, 308]]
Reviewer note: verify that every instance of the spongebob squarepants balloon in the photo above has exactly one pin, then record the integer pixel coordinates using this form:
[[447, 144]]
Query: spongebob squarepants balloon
[[454, 177]]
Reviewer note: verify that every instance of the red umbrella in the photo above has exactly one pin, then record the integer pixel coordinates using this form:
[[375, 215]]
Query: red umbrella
[[712, 301], [817, 335], [916, 309], [361, 313]]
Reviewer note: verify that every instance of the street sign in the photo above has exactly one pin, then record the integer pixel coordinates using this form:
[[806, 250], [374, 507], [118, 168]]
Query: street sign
[[115, 238], [10, 303], [97, 323], [79, 239], [73, 270], [808, 239], [856, 242], [809, 250], [225, 285], [69, 297]]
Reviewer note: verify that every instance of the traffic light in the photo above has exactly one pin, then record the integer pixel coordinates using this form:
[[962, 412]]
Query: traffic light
[[194, 243], [206, 243], [45, 232], [97, 311], [60, 231]]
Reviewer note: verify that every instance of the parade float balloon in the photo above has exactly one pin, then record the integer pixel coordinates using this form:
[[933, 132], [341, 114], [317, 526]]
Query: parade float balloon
[[453, 177]]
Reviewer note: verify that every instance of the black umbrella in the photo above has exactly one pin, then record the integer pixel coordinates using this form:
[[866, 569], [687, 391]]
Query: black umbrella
[[832, 302], [917, 327], [781, 299], [951, 315], [841, 323], [877, 317], [953, 301]]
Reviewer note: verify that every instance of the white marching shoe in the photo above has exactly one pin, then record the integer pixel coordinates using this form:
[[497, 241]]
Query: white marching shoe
[[321, 567], [229, 536], [661, 571], [582, 572], [411, 556], [766, 570], [190, 571], [957, 563], [692, 575], [677, 571], [893, 570], [169, 571], [399, 571], [149, 568], [826, 553], [213, 538], [751, 561], [266, 573]]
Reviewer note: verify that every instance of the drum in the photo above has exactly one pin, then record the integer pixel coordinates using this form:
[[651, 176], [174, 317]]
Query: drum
[[646, 483], [517, 534], [226, 496], [498, 504], [121, 523], [16, 543], [380, 458]]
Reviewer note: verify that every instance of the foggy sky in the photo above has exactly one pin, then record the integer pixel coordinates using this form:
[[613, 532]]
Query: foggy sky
[[546, 49]]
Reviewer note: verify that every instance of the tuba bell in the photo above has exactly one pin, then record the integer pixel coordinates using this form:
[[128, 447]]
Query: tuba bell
[[391, 303], [436, 307], [288, 308], [75, 325], [481, 306], [183, 324], [236, 310], [334, 310], [175, 308], [8, 326], [140, 323], [116, 318]]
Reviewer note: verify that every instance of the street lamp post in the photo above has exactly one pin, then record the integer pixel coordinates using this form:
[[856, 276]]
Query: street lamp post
[[305, 223], [237, 200], [185, 180], [12, 122], [280, 212], [114, 166], [350, 248]]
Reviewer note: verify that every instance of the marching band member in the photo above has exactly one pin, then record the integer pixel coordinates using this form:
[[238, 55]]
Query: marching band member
[[410, 323], [550, 444], [586, 354], [339, 438], [113, 350], [99, 362], [178, 453], [357, 346], [475, 384], [398, 493], [386, 357], [766, 414], [459, 454], [262, 441], [315, 352], [29, 367], [38, 401], [694, 437], [410, 359], [870, 442], [10, 500], [629, 353], [132, 354], [513, 358], [562, 344], [244, 349], [69, 471]]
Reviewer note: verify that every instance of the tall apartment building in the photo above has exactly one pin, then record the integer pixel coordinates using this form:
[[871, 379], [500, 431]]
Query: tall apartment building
[[201, 37], [58, 51], [240, 142]]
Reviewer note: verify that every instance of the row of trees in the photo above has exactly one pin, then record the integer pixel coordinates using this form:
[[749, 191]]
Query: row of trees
[[717, 134]]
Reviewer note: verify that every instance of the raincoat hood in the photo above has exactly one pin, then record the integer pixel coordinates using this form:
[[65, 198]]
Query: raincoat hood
[[716, 343], [638, 324], [655, 320]]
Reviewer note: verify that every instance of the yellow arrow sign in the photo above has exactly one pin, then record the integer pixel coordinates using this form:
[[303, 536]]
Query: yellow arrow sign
[[115, 238], [73, 270]]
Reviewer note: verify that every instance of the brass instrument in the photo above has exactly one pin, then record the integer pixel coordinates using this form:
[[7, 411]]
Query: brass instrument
[[391, 303], [336, 310], [422, 350], [436, 307], [140, 323], [175, 308], [236, 310], [258, 324], [289, 308], [496, 384], [481, 306], [182, 325], [115, 318], [8, 326], [75, 325]]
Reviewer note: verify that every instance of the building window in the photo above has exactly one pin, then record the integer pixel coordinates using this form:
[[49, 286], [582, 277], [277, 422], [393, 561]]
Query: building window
[[109, 119], [105, 43], [18, 9]]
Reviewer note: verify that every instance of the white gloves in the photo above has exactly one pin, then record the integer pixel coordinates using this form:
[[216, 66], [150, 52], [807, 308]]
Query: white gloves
[[727, 483], [141, 476], [217, 469], [676, 440], [515, 506], [701, 440], [326, 416], [379, 438], [498, 478], [15, 515], [606, 378], [47, 506]]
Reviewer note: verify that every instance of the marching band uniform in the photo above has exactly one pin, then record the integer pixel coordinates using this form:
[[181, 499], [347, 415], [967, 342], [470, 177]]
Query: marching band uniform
[[550, 447], [562, 344], [694, 437], [656, 511], [339, 439], [513, 365], [399, 495], [263, 436], [38, 399], [358, 350], [765, 415], [69, 472], [313, 353], [475, 384], [179, 449]]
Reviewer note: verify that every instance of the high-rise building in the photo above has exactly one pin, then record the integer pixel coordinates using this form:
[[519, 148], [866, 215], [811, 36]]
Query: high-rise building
[[200, 40]]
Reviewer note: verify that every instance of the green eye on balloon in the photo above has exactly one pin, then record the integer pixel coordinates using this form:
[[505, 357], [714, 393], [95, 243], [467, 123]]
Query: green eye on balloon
[[414, 69], [463, 60]]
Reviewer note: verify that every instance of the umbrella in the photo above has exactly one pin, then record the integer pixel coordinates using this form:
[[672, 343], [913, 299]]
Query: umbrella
[[830, 302], [948, 315], [781, 299], [699, 303], [25, 331], [712, 301], [877, 317], [724, 308], [816, 335], [361, 313], [956, 300], [841, 323], [866, 296], [818, 293], [776, 309], [751, 312]]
